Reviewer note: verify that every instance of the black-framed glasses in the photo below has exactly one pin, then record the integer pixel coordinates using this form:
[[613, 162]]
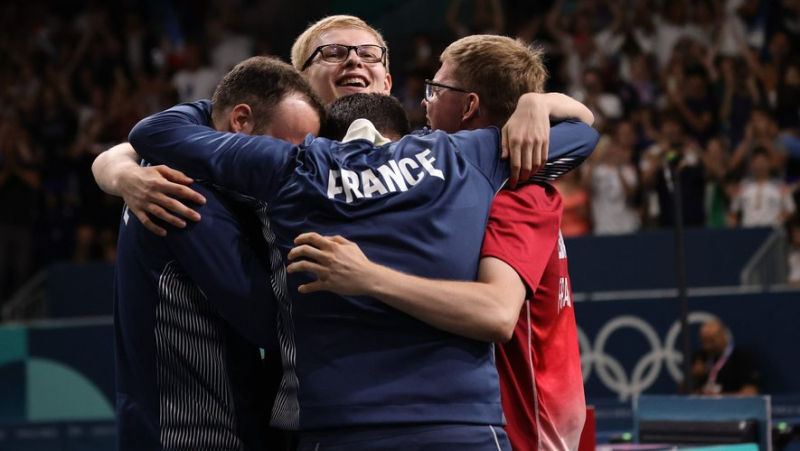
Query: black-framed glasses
[[338, 53], [431, 91]]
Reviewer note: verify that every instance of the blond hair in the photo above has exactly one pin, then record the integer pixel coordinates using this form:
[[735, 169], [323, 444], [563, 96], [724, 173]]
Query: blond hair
[[497, 68], [302, 49]]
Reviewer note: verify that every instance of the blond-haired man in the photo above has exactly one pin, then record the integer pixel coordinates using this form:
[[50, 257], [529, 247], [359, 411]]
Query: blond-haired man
[[342, 55], [523, 266]]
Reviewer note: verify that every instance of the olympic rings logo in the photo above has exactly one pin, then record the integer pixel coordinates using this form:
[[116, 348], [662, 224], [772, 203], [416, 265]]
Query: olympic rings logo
[[647, 369]]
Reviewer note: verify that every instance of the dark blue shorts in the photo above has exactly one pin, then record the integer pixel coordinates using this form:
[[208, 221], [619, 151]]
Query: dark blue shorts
[[444, 437]]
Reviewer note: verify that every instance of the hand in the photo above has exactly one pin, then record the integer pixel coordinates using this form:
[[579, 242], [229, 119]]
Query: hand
[[339, 264], [155, 190], [526, 138]]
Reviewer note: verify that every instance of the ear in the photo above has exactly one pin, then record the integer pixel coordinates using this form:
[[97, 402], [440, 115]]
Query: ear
[[387, 84], [472, 108], [241, 119]]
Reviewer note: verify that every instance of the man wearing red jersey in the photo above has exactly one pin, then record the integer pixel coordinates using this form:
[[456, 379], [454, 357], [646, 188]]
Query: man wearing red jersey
[[523, 294]]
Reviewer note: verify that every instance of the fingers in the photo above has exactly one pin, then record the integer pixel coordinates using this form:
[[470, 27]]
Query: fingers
[[185, 193], [148, 223], [308, 252], [504, 142], [545, 152], [311, 287], [528, 159], [164, 215], [174, 209], [538, 157], [306, 266], [340, 240], [514, 161], [311, 238], [173, 175], [174, 183]]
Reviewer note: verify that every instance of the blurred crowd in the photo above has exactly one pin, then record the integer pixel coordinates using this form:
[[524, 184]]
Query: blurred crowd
[[698, 95]]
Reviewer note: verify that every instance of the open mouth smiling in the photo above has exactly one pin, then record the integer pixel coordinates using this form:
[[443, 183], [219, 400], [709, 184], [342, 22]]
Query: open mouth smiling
[[353, 82]]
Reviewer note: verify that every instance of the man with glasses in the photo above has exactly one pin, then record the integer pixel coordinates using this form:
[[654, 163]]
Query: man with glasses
[[341, 55], [333, 76], [523, 266], [357, 374]]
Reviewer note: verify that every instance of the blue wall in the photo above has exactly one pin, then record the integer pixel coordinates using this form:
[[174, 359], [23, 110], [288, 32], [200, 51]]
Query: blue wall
[[646, 261]]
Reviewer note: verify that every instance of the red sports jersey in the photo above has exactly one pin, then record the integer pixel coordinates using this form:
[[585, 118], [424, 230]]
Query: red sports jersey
[[540, 368]]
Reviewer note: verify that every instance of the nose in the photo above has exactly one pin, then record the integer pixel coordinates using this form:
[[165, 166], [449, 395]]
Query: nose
[[424, 103], [353, 58]]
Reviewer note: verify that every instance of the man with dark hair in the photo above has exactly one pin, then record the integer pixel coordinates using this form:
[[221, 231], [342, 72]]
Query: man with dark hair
[[523, 294], [190, 308], [385, 113], [262, 83], [430, 194]]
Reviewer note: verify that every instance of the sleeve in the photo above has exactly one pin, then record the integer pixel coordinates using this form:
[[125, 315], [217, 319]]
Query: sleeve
[[217, 256], [179, 138], [482, 148], [523, 230], [571, 142]]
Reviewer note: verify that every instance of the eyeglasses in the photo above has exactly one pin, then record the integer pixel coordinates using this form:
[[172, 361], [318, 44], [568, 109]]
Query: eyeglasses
[[338, 53], [431, 89]]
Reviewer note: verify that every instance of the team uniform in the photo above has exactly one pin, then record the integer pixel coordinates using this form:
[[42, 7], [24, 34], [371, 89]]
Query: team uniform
[[189, 316], [419, 205], [539, 368]]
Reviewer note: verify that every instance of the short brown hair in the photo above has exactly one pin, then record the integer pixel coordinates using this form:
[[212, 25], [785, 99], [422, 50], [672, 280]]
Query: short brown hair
[[385, 112], [301, 49], [497, 68], [261, 82]]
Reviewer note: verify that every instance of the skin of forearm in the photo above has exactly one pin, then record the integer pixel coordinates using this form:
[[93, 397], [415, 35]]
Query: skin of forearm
[[470, 309], [562, 107], [110, 165]]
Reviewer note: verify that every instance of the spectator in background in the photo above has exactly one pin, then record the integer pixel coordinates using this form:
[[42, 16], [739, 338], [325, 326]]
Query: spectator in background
[[717, 195], [410, 95], [794, 252], [228, 46], [674, 152], [722, 368], [769, 71], [697, 109], [487, 17], [791, 140], [605, 105], [761, 201], [574, 34], [761, 131], [739, 93], [671, 26], [640, 81], [575, 200], [97, 213], [20, 188], [787, 110], [614, 181], [196, 80]]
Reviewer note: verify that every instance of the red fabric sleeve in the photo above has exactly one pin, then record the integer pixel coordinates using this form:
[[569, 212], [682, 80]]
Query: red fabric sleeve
[[523, 230]]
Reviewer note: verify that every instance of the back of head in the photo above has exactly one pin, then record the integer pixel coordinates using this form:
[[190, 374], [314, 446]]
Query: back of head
[[497, 68], [385, 112], [301, 49], [261, 82]]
